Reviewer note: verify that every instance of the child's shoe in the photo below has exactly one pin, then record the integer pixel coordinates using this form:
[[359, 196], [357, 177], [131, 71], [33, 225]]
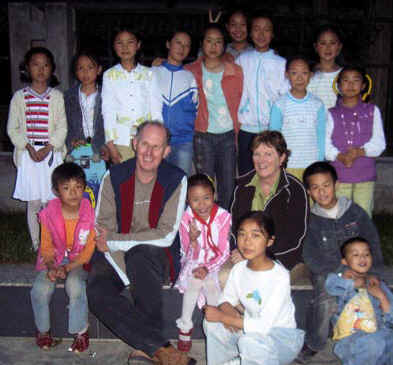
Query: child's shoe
[[45, 341], [184, 343], [81, 342]]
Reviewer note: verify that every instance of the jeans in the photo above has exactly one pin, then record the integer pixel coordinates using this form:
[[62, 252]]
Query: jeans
[[139, 325], [319, 313], [366, 348], [181, 156], [280, 346], [75, 286], [215, 155], [245, 163]]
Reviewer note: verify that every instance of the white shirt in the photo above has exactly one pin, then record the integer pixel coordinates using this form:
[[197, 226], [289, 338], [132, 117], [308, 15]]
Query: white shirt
[[321, 85], [265, 295], [125, 102], [87, 103]]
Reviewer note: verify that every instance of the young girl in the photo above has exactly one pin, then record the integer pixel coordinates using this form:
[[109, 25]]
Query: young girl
[[175, 100], [328, 45], [85, 136], [264, 82], [125, 96], [354, 137], [266, 333], [236, 25], [37, 127], [67, 243], [219, 84], [301, 117], [204, 232]]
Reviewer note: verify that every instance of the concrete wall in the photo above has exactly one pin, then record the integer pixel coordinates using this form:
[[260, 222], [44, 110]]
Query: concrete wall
[[49, 25]]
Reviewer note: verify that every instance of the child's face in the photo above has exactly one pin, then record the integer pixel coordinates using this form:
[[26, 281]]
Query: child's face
[[40, 68], [358, 257], [237, 27], [70, 193], [351, 84], [179, 48], [262, 33], [328, 46], [201, 200], [251, 241], [87, 71], [126, 45], [213, 44], [299, 75], [322, 190]]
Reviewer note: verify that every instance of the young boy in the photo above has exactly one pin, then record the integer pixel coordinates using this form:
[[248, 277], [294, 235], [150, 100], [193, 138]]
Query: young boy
[[332, 221], [67, 243], [364, 319], [264, 81]]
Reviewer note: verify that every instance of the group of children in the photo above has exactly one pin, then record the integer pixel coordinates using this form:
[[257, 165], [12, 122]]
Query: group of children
[[213, 109]]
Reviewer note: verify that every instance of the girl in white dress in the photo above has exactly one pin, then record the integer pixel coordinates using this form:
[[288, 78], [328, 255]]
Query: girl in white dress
[[37, 127]]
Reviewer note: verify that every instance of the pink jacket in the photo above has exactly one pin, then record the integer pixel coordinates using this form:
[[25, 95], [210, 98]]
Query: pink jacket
[[232, 87], [52, 218]]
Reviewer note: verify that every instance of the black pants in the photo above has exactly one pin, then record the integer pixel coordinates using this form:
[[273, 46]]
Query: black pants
[[245, 163], [139, 325]]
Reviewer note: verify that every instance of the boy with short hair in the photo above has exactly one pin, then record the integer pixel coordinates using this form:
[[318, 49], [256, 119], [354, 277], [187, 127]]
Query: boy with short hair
[[332, 221], [364, 319]]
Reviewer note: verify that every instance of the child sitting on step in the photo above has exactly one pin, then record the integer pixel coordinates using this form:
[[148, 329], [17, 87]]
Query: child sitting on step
[[67, 243], [364, 320], [204, 236]]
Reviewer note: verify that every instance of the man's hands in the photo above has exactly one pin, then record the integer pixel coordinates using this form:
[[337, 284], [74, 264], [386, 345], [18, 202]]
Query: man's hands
[[236, 256]]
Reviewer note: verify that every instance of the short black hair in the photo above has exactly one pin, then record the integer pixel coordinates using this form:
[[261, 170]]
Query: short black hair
[[292, 59], [350, 241], [65, 172], [200, 180], [320, 167], [356, 68]]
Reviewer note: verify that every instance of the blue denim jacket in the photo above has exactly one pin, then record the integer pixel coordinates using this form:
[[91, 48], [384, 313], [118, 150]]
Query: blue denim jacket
[[344, 290], [321, 250]]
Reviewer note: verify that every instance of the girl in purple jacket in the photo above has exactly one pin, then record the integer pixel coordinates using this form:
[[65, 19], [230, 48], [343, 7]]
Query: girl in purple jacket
[[355, 137]]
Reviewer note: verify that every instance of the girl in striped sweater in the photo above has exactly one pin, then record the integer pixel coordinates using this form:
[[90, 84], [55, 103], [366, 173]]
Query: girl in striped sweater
[[37, 127], [301, 118]]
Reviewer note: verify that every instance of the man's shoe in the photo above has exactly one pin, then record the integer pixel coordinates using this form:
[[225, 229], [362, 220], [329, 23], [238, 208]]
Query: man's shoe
[[305, 355], [168, 355]]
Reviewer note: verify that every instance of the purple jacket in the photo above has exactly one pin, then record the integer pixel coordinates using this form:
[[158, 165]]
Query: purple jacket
[[353, 127]]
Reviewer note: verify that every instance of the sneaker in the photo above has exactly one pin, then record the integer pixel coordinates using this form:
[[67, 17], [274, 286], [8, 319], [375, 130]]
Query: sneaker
[[168, 355], [305, 355], [45, 341], [184, 343], [81, 343]]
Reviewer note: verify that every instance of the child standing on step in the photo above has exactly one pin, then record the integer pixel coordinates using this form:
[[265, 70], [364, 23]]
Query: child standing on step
[[37, 128], [266, 333], [301, 118], [67, 244], [354, 138], [204, 236], [328, 45], [125, 96]]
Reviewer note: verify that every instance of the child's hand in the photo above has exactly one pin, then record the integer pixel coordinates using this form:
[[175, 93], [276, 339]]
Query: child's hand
[[212, 314], [375, 290], [236, 256], [77, 143], [52, 274], [43, 152], [345, 159], [61, 272], [372, 279], [194, 231], [32, 152], [216, 19], [359, 281], [200, 272], [114, 154], [158, 61], [104, 153]]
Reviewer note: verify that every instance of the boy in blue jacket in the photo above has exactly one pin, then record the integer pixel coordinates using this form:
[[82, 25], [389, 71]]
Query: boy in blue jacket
[[332, 221]]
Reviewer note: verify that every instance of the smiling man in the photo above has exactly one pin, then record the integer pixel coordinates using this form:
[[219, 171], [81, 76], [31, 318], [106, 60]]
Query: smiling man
[[140, 205]]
